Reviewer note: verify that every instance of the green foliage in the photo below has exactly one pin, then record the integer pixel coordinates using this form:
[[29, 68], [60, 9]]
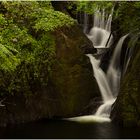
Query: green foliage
[[35, 68], [52, 20], [27, 48], [2, 21], [91, 6], [44, 18], [8, 60], [128, 16]]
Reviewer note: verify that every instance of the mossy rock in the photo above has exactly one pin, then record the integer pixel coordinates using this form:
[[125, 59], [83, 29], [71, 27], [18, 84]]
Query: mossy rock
[[126, 110], [69, 89], [72, 74]]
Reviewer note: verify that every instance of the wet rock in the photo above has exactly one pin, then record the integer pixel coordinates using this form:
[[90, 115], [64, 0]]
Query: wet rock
[[126, 110]]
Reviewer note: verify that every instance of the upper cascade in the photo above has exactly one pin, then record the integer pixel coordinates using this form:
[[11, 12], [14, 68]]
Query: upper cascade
[[103, 21], [100, 33]]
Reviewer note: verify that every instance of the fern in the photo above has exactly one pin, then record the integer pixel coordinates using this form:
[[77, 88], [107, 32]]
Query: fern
[[8, 61]]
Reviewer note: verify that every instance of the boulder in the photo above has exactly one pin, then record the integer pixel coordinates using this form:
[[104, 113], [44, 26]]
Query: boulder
[[70, 87], [72, 75], [126, 110]]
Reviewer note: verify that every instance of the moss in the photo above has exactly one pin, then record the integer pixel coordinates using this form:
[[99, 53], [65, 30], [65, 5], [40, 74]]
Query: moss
[[54, 77]]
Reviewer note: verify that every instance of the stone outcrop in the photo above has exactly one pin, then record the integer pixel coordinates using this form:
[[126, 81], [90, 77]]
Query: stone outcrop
[[70, 88], [126, 110]]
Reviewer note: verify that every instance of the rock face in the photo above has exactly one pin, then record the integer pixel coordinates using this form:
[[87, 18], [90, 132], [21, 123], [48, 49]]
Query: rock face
[[71, 84], [126, 110], [72, 75]]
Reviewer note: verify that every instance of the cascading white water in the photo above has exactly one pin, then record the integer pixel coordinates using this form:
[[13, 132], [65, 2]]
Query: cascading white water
[[85, 23], [101, 31], [114, 71], [109, 82], [129, 52], [101, 79]]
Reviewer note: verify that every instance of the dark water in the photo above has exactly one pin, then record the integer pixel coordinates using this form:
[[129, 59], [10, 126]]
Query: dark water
[[66, 129]]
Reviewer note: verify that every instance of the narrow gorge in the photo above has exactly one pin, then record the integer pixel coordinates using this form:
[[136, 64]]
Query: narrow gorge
[[69, 69]]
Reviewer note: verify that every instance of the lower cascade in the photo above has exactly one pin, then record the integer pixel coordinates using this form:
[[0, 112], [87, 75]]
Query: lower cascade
[[109, 81]]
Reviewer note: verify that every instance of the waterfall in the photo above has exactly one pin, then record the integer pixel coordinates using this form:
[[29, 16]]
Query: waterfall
[[108, 82], [114, 71], [85, 22], [129, 52], [108, 24], [101, 79], [100, 32]]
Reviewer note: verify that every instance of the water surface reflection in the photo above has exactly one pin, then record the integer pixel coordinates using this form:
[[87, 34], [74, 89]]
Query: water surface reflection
[[68, 129]]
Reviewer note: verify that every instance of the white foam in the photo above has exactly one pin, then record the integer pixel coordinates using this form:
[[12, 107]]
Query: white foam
[[90, 118]]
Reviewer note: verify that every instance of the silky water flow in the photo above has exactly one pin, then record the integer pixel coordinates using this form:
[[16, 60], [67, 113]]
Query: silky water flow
[[108, 82]]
